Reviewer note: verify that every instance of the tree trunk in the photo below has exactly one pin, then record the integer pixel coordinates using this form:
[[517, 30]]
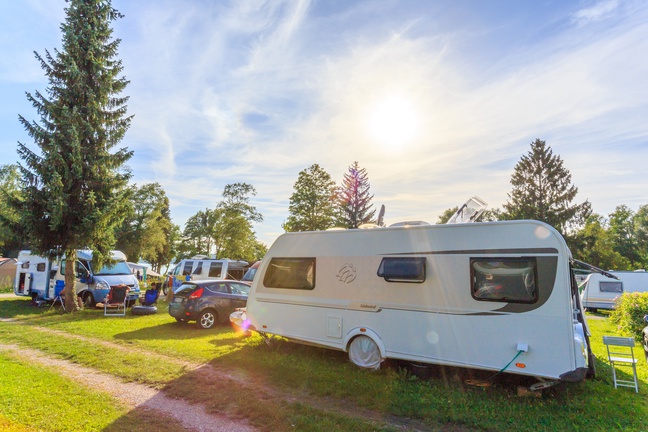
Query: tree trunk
[[69, 291]]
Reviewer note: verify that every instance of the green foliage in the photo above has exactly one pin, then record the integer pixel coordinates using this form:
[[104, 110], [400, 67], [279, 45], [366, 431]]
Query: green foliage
[[226, 230], [353, 198], [593, 244], [74, 188], [542, 190], [621, 230], [10, 189], [311, 204], [146, 230], [629, 312]]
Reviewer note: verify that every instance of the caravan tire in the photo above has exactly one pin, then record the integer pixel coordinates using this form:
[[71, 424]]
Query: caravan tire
[[364, 352]]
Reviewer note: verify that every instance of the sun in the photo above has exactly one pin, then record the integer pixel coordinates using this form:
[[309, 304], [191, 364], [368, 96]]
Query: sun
[[393, 122]]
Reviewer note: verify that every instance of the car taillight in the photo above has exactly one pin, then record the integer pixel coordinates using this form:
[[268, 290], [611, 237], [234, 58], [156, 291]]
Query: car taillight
[[196, 294]]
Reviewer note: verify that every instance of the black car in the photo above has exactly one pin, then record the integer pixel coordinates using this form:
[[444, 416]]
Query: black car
[[208, 301]]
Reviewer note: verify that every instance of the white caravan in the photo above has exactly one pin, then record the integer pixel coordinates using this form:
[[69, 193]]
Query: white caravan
[[201, 268], [498, 296], [37, 276], [600, 291]]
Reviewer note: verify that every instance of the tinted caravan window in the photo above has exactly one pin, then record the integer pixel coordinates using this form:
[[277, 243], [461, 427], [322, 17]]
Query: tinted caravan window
[[512, 280], [613, 287], [402, 269], [215, 269], [291, 273]]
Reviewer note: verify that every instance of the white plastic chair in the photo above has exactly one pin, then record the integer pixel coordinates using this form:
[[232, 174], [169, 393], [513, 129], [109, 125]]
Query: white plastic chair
[[621, 352]]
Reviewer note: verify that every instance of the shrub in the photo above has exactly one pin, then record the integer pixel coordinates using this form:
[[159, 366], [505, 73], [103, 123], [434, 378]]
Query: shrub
[[629, 313]]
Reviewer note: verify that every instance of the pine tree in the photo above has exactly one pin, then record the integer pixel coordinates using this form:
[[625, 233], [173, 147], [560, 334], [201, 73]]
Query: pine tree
[[74, 189], [353, 198], [311, 205], [542, 190]]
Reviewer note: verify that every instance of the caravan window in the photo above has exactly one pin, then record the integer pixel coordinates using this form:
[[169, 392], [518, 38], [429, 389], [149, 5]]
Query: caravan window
[[402, 269], [198, 268], [187, 268], [291, 273], [613, 287], [215, 269], [512, 280]]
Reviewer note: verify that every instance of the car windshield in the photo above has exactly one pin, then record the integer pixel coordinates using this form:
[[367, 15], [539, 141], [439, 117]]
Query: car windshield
[[118, 268]]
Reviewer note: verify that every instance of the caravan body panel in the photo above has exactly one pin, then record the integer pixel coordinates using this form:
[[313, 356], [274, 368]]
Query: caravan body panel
[[423, 293]]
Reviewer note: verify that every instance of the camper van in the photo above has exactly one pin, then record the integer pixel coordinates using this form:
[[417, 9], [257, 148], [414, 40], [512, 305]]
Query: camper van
[[600, 291], [36, 277], [496, 296], [201, 268]]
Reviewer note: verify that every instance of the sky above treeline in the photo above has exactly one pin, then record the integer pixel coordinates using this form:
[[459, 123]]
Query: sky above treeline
[[438, 100]]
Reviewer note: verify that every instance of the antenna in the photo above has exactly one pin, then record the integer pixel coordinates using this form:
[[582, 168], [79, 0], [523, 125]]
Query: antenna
[[469, 211]]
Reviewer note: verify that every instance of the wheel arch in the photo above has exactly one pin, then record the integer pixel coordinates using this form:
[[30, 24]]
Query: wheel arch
[[364, 331]]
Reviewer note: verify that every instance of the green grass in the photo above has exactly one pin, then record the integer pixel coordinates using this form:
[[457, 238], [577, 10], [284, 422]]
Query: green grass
[[296, 387], [34, 397]]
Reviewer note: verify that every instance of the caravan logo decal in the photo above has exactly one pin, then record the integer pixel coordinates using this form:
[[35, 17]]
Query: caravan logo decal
[[347, 273]]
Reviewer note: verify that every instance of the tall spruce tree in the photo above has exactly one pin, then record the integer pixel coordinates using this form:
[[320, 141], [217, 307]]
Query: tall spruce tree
[[75, 187], [353, 198], [542, 190], [311, 204]]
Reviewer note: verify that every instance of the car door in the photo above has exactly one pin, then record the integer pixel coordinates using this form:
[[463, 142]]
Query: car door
[[220, 298]]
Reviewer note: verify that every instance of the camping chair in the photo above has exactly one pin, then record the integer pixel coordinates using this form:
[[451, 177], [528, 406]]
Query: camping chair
[[115, 303], [621, 352], [58, 296], [151, 295]]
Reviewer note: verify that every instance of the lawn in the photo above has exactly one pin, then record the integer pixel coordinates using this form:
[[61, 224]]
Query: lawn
[[296, 387]]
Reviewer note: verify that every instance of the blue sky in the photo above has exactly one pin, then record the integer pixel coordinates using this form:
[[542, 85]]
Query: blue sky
[[438, 100]]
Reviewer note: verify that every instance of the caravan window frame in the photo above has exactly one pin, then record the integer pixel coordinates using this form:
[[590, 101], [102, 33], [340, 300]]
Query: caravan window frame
[[399, 269], [490, 291], [288, 279]]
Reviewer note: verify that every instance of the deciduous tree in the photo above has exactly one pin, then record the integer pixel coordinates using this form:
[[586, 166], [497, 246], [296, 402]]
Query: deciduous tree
[[311, 204]]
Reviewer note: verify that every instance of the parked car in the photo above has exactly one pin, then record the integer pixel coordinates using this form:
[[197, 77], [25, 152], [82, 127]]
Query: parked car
[[208, 301]]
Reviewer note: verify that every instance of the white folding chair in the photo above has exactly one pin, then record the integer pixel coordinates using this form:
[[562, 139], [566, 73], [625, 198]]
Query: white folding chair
[[621, 352]]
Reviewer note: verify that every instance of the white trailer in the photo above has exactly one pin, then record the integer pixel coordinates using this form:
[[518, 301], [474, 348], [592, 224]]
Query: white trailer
[[601, 292], [36, 277], [498, 296]]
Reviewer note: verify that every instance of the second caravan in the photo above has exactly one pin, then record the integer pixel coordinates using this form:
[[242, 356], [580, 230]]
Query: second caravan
[[600, 291], [497, 296]]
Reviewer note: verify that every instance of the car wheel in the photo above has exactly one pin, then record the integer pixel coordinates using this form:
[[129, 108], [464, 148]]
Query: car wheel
[[180, 320], [206, 319], [364, 352], [88, 300]]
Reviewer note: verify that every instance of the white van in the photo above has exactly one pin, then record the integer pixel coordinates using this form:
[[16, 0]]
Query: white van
[[601, 292], [497, 296], [36, 277], [200, 268]]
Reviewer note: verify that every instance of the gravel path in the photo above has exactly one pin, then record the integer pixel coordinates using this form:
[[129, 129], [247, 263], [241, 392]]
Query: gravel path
[[192, 416]]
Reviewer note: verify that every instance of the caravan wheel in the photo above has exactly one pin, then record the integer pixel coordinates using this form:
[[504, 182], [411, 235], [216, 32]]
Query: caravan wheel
[[364, 352]]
